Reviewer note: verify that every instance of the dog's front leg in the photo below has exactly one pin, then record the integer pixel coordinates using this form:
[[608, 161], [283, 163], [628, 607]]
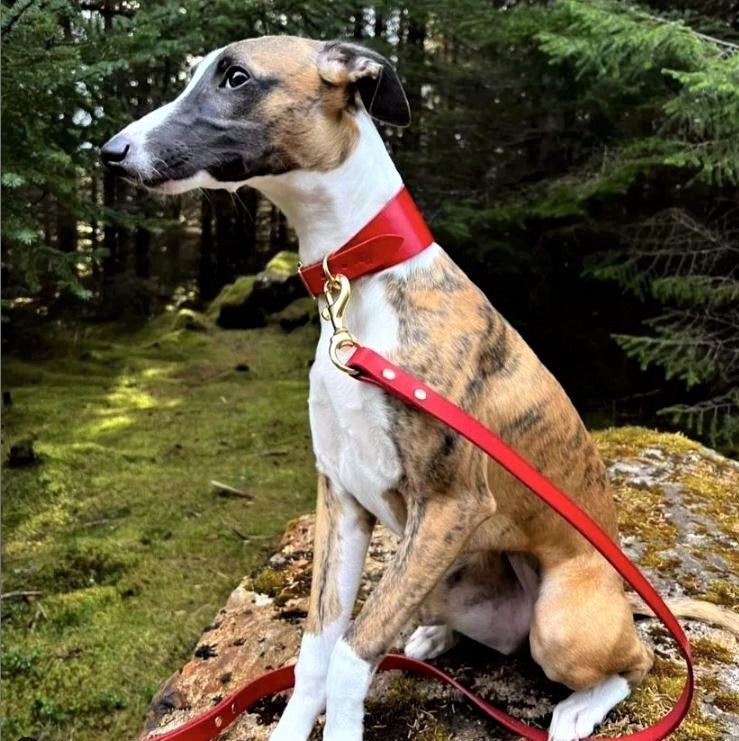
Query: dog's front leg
[[436, 528], [342, 534]]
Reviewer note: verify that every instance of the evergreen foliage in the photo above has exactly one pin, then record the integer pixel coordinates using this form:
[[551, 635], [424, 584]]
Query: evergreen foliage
[[661, 99], [691, 270]]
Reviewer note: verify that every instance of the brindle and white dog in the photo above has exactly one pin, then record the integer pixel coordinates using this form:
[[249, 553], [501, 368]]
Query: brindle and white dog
[[479, 555]]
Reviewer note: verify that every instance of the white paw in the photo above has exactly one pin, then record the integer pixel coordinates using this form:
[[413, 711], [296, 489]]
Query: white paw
[[299, 717], [430, 641], [349, 678], [572, 722], [576, 717]]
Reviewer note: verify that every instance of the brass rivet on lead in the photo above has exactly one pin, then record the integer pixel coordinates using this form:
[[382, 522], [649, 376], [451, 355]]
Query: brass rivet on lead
[[389, 374], [233, 707], [218, 721], [420, 394]]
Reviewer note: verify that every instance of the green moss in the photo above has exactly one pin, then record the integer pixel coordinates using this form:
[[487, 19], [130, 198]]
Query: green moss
[[399, 705], [281, 585], [653, 698], [727, 701], [267, 581], [80, 607], [284, 262], [118, 526], [19, 661], [721, 592], [191, 320], [626, 442], [231, 295], [711, 652]]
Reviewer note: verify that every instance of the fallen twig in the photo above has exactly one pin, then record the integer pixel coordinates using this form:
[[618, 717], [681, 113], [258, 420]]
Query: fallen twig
[[268, 453], [226, 490], [21, 594]]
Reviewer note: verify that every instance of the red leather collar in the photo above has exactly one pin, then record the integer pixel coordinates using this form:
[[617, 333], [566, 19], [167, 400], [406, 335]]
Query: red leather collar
[[395, 234]]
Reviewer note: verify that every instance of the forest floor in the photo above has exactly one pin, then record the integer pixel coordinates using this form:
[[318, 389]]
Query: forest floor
[[117, 524]]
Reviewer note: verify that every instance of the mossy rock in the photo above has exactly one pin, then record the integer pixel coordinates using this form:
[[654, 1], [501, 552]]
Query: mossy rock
[[249, 300], [299, 312], [232, 294], [23, 453], [284, 262], [191, 320], [271, 292]]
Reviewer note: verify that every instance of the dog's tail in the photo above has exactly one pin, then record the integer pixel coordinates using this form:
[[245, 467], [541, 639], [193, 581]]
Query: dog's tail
[[686, 607]]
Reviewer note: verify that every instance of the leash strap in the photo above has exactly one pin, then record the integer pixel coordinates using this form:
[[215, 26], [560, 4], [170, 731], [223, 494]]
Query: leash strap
[[373, 368]]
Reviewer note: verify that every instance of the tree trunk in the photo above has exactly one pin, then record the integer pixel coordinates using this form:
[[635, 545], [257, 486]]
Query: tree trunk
[[223, 209], [94, 226], [142, 264], [110, 230], [358, 23], [414, 54], [206, 276], [142, 241], [380, 23], [66, 229]]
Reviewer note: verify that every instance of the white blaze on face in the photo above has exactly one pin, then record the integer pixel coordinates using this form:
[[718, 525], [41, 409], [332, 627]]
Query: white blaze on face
[[139, 130]]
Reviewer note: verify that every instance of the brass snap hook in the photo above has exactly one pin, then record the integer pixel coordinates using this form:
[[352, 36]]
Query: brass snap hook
[[337, 291]]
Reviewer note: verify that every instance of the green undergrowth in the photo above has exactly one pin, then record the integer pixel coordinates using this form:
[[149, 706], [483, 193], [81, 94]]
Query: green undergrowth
[[118, 526]]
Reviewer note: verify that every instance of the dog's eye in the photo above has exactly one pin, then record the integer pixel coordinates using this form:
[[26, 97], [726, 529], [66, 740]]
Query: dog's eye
[[235, 77]]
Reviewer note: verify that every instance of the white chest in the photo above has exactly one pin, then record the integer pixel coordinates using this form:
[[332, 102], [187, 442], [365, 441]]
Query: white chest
[[350, 420]]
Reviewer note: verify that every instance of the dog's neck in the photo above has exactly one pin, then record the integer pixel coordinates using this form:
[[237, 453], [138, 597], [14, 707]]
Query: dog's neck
[[326, 208]]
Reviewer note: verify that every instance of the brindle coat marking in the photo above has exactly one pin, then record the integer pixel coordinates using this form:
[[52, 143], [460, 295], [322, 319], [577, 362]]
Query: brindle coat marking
[[462, 509], [325, 606]]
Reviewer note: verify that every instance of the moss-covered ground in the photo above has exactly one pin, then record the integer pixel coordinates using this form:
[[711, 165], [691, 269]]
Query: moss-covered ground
[[118, 526], [133, 551]]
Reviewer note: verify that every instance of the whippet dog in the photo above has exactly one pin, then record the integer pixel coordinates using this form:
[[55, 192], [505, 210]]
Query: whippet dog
[[479, 555]]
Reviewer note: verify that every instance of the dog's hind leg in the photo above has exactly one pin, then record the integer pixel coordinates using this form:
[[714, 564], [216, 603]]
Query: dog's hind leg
[[486, 596], [583, 635], [342, 534]]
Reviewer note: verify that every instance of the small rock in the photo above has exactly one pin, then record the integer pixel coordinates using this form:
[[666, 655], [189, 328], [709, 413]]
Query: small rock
[[7, 398], [23, 454], [242, 368]]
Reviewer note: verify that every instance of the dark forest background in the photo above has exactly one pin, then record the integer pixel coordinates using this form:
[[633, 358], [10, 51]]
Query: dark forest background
[[579, 159]]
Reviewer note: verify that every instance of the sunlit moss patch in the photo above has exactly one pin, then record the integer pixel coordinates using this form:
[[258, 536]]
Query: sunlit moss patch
[[118, 526]]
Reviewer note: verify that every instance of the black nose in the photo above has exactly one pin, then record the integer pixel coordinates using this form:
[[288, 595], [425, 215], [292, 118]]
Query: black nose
[[114, 151]]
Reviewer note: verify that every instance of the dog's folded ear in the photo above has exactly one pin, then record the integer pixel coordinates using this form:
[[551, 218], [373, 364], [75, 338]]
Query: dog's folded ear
[[369, 74]]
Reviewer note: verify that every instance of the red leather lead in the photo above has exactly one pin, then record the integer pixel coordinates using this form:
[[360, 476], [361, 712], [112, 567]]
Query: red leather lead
[[403, 385], [395, 234]]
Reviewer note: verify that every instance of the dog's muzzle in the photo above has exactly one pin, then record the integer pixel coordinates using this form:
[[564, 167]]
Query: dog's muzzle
[[115, 152]]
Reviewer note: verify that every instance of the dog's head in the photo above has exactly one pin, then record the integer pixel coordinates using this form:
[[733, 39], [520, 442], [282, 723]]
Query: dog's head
[[262, 106]]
